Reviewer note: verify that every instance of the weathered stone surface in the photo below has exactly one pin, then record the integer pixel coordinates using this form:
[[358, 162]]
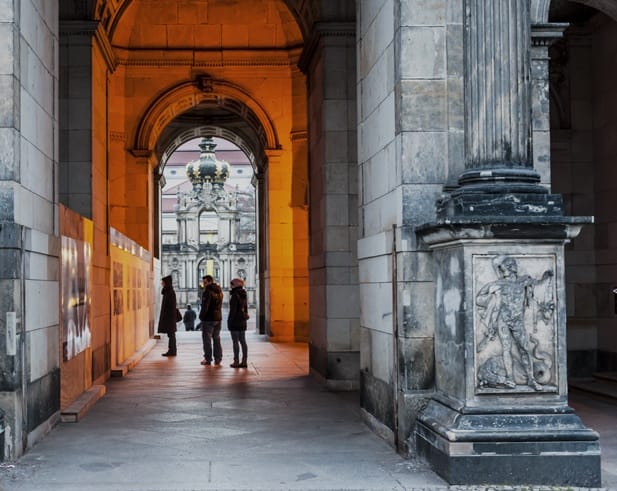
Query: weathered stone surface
[[423, 53], [420, 148], [423, 12], [417, 363], [421, 105]]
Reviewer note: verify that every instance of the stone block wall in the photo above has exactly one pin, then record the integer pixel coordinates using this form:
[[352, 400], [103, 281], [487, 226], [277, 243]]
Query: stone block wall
[[29, 245], [411, 123], [334, 335]]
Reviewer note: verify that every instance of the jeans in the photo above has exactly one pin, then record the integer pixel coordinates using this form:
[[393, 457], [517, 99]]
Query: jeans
[[239, 339], [211, 337]]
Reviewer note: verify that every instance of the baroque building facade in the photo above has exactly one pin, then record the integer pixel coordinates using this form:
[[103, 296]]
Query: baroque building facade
[[208, 224], [426, 174]]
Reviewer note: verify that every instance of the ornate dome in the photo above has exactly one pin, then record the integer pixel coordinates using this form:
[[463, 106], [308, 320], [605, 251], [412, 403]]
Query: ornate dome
[[207, 169]]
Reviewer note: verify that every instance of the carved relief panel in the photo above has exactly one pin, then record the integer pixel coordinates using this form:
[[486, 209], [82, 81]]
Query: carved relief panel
[[514, 298]]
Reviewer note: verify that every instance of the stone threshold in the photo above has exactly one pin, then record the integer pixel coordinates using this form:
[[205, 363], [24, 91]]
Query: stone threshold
[[123, 368], [602, 384], [80, 406]]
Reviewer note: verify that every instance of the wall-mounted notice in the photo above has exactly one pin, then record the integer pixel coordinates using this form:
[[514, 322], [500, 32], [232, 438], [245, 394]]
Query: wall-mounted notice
[[76, 267]]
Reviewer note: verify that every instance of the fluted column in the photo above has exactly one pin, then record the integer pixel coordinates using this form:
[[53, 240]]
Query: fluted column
[[498, 93]]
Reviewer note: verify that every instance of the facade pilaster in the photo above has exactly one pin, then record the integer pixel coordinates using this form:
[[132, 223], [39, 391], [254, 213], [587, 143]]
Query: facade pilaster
[[329, 60], [499, 413]]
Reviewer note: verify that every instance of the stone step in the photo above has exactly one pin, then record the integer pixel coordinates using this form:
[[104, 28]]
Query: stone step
[[80, 406], [598, 386], [610, 376], [123, 368]]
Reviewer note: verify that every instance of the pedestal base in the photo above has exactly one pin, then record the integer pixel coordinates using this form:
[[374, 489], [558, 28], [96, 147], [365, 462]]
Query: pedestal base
[[508, 449]]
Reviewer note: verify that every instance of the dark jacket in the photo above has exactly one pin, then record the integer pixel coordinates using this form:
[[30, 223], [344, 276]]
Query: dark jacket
[[211, 303], [238, 309], [189, 319], [167, 318]]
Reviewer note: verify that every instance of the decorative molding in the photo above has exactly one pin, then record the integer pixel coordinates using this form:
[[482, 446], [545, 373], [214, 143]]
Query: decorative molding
[[188, 94], [89, 30], [117, 136], [543, 35], [321, 30], [102, 41], [141, 153], [273, 58], [298, 135]]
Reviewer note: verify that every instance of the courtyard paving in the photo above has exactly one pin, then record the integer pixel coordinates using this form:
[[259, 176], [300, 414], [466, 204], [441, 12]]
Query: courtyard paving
[[173, 424]]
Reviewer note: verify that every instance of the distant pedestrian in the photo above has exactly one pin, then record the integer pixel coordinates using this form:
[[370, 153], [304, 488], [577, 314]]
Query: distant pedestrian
[[210, 316], [189, 318], [168, 316], [236, 322]]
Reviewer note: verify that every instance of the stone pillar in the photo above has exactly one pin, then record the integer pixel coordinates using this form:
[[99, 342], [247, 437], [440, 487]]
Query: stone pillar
[[29, 232], [499, 414], [329, 61]]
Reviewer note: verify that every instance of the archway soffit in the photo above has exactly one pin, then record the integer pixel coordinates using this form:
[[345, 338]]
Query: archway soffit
[[540, 8], [110, 13], [608, 7], [179, 139]]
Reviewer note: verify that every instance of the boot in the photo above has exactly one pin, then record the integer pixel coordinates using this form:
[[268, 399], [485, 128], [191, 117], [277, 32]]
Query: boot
[[243, 363], [235, 364]]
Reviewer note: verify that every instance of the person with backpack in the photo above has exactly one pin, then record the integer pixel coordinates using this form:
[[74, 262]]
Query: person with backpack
[[210, 316]]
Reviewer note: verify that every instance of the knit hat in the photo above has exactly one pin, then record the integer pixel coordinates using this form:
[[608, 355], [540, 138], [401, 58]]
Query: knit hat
[[237, 282]]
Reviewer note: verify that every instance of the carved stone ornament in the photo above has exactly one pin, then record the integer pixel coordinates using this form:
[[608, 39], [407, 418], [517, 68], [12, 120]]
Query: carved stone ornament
[[514, 323], [205, 83]]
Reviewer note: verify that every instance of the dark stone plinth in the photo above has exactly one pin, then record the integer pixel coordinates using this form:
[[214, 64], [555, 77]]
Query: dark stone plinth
[[509, 449], [477, 204]]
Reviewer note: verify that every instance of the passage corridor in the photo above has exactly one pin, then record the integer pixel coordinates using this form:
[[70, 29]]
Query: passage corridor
[[172, 424]]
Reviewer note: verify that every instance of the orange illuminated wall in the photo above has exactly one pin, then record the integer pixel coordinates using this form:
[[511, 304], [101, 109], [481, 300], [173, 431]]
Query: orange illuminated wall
[[131, 297], [248, 51]]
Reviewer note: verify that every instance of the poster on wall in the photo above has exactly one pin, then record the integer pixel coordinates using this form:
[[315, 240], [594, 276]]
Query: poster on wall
[[75, 277]]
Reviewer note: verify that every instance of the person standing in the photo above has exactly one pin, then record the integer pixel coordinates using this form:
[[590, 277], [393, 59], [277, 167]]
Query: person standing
[[211, 317], [167, 317], [236, 322], [189, 318]]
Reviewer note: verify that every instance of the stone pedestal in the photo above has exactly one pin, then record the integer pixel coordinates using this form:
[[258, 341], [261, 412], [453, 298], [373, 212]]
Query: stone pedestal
[[500, 413]]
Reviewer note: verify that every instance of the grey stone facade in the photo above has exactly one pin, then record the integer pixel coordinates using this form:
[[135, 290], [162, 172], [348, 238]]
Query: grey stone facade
[[432, 196]]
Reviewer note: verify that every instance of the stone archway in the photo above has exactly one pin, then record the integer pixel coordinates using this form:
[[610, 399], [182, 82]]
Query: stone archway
[[207, 93]]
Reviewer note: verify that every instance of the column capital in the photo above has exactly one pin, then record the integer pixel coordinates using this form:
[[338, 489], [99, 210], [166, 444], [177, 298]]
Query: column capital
[[546, 34]]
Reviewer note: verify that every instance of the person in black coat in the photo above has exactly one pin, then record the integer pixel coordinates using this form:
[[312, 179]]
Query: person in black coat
[[236, 322], [167, 318], [210, 316]]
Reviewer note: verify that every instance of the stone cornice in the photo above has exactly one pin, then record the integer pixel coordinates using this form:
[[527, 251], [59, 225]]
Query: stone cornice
[[320, 31], [272, 58], [547, 34], [92, 30], [299, 135]]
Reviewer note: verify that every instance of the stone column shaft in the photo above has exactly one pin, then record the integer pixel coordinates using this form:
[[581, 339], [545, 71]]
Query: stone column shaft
[[498, 83]]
